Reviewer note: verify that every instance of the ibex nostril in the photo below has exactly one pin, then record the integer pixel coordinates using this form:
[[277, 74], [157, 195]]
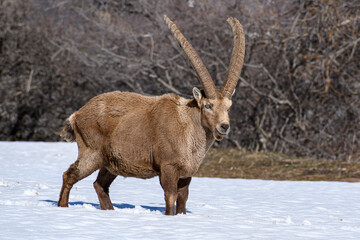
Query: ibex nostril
[[225, 127]]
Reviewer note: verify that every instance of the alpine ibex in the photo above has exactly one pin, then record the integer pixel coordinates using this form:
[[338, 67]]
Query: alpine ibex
[[128, 134]]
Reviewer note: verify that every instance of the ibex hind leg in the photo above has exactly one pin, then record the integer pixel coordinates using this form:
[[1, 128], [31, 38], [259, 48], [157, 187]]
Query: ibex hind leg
[[101, 185], [85, 165]]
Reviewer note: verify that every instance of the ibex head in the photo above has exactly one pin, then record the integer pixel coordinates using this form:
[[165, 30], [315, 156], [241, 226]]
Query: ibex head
[[215, 104]]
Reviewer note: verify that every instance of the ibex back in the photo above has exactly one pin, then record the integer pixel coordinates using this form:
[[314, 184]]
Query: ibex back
[[132, 135]]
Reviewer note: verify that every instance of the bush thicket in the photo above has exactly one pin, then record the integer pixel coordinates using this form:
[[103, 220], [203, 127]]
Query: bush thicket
[[298, 92]]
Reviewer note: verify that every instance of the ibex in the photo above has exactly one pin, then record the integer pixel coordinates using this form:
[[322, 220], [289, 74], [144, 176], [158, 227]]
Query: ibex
[[128, 134]]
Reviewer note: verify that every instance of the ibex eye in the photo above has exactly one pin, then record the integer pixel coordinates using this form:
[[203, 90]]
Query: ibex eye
[[208, 106]]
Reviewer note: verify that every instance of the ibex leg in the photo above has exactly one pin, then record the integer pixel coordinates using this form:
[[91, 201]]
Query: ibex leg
[[83, 167], [182, 196], [101, 185], [169, 178]]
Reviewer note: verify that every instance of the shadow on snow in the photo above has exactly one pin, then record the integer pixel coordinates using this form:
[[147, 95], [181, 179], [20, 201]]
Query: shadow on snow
[[116, 205]]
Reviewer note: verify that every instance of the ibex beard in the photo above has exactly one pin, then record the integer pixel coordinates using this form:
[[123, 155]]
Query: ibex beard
[[128, 134]]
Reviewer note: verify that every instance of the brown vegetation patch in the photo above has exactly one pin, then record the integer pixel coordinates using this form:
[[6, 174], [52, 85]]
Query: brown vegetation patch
[[232, 163]]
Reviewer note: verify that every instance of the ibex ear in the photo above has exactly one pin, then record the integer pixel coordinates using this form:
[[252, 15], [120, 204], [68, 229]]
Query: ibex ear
[[233, 92], [197, 95]]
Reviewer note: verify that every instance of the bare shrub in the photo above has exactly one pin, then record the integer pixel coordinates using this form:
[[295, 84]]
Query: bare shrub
[[298, 93]]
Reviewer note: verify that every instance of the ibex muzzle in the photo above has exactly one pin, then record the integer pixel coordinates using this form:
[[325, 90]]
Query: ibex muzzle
[[132, 135]]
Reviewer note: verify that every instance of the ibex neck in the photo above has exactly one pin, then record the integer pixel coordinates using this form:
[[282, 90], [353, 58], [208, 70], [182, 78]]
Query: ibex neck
[[195, 114]]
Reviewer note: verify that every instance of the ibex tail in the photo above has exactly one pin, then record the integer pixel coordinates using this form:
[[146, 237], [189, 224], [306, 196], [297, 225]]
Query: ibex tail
[[68, 131]]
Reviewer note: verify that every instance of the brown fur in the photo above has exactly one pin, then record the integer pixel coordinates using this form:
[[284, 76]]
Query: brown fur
[[128, 134]]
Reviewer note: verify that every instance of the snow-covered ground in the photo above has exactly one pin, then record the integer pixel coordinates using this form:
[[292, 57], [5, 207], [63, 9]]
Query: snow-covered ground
[[31, 177]]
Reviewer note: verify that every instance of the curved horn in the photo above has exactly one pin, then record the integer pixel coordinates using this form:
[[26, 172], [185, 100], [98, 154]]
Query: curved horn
[[203, 74], [237, 58]]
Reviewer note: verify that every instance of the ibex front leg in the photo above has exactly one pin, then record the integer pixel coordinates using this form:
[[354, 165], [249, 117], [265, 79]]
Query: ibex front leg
[[183, 193], [169, 177]]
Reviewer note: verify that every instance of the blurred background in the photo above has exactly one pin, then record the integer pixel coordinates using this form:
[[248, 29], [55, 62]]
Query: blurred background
[[298, 93]]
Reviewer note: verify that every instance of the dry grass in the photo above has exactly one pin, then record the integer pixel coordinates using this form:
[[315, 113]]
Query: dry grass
[[232, 163]]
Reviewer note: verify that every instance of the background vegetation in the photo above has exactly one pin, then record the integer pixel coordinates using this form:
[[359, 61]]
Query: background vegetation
[[298, 93]]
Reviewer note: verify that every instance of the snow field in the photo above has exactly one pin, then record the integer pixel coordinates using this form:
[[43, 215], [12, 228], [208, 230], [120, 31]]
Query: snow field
[[31, 177]]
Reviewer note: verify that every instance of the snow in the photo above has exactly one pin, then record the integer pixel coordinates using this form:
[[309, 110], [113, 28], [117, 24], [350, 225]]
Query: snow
[[31, 177]]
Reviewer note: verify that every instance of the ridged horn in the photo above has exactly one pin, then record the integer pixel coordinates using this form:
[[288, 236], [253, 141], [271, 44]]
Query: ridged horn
[[203, 74], [237, 58]]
